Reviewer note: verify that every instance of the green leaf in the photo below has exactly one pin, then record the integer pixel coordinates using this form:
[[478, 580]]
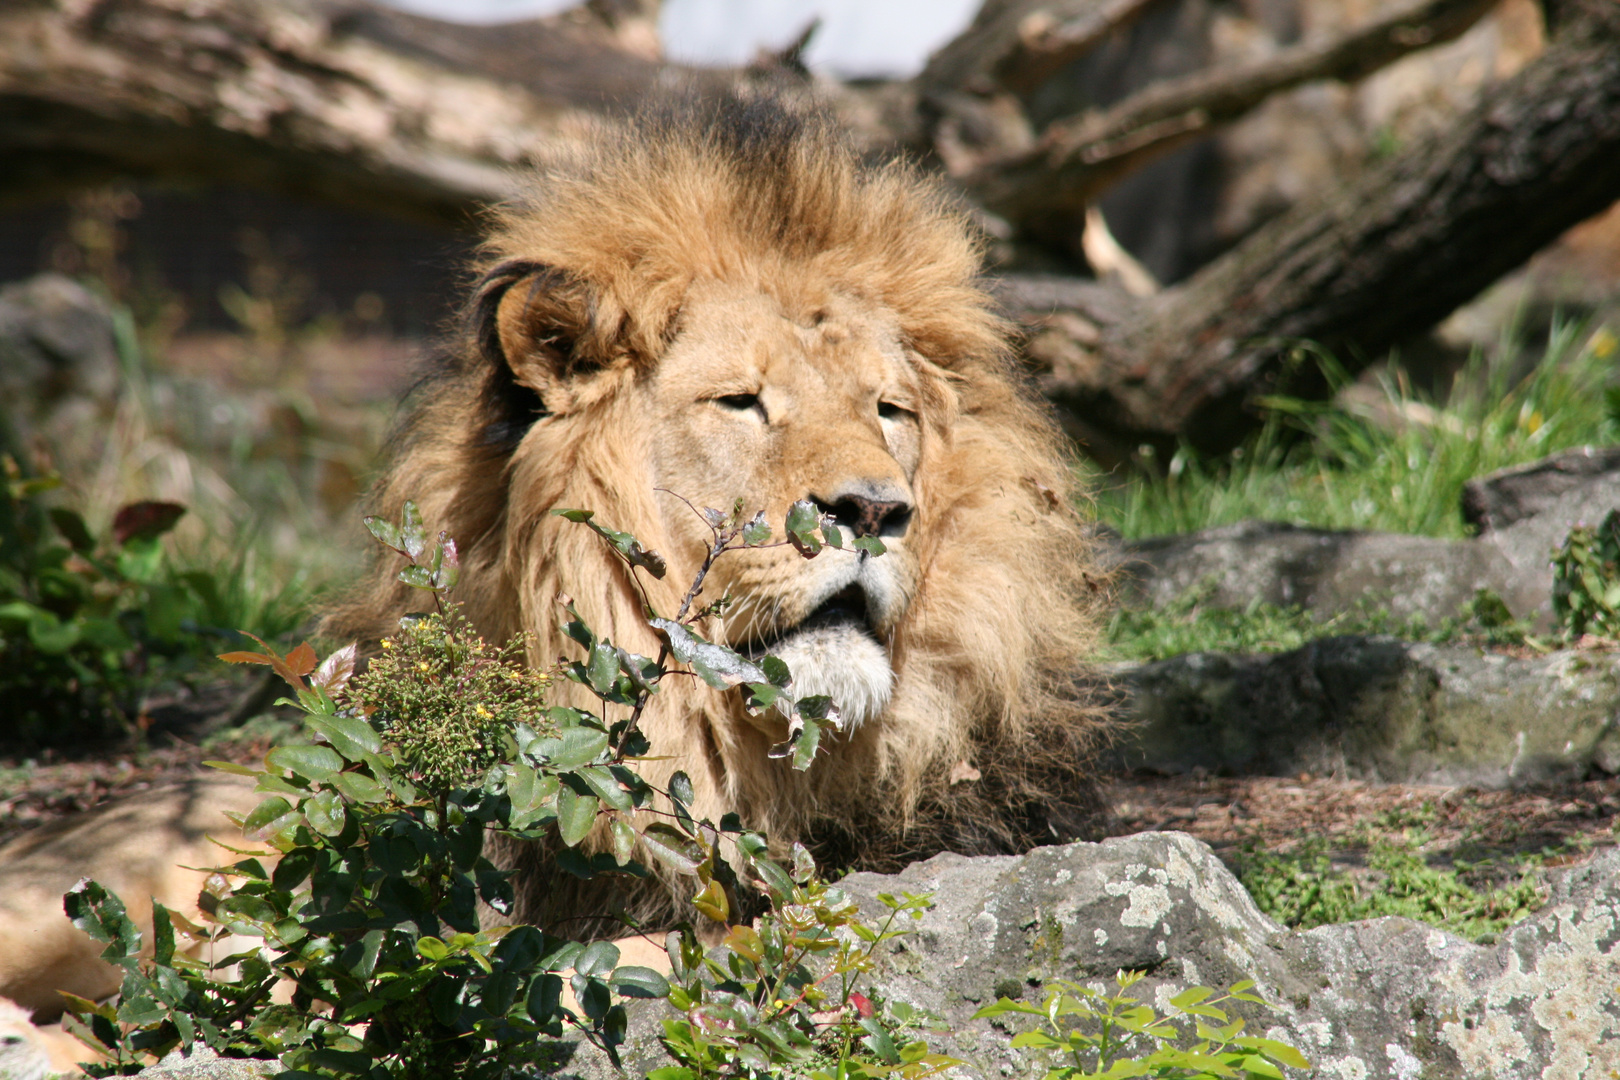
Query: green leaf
[[639, 982], [359, 788], [802, 520], [597, 958], [1191, 996], [101, 914], [576, 814], [50, 634], [386, 533], [360, 957], [141, 560], [669, 845], [411, 534], [776, 670], [574, 748], [315, 763], [431, 948], [1035, 1040], [271, 817], [325, 813], [350, 736], [626, 544], [757, 531], [602, 668], [624, 840], [351, 1062], [1281, 1051], [712, 902], [234, 768], [716, 665], [606, 786], [72, 528], [869, 544], [680, 787]]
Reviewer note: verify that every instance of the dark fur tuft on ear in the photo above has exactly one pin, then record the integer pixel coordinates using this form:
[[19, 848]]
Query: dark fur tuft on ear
[[510, 408]]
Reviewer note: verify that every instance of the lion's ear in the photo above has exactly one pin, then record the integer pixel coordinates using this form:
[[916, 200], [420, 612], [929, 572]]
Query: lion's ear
[[535, 321]]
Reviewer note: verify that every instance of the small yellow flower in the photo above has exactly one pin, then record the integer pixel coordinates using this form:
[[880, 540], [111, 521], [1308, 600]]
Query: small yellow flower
[[388, 643], [483, 712], [1604, 344], [421, 665]]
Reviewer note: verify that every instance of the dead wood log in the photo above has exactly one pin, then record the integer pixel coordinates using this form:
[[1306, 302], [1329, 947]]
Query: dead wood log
[[1016, 45], [1075, 159], [349, 102], [1354, 270], [338, 102]]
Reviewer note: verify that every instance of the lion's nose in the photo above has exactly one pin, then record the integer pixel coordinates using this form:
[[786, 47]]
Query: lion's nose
[[867, 516]]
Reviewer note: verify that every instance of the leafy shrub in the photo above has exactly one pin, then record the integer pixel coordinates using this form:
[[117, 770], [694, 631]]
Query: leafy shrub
[[760, 1008], [1092, 1033], [370, 912], [88, 623], [1586, 580]]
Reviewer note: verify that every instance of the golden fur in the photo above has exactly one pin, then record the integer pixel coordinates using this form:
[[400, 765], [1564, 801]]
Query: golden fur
[[626, 314], [139, 847]]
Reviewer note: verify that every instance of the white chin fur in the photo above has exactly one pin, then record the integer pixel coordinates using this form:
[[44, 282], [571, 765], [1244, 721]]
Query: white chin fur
[[845, 664]]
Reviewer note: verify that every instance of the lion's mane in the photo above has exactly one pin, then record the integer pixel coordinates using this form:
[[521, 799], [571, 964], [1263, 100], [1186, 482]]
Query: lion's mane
[[985, 744]]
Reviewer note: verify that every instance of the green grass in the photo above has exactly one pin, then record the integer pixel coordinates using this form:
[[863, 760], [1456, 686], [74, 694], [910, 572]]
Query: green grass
[[1305, 888], [1321, 465], [1189, 623]]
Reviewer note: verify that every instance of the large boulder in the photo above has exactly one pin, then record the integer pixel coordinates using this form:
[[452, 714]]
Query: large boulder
[[1383, 998], [1497, 500], [1376, 708], [58, 354], [1523, 514], [1386, 998], [1326, 571]]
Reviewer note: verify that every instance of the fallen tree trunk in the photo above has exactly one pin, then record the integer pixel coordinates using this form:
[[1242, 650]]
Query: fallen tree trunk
[[358, 104], [333, 102], [1354, 270]]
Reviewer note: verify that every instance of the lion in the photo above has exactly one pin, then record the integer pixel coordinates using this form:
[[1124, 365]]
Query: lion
[[145, 846], [728, 303]]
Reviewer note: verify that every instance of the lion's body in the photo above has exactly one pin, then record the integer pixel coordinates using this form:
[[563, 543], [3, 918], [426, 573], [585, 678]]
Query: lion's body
[[145, 846], [743, 310]]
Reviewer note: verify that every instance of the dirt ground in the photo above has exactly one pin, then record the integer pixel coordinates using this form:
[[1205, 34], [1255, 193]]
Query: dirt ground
[[1462, 823]]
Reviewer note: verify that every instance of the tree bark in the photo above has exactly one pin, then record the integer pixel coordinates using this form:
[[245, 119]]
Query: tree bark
[[347, 102], [330, 101], [1076, 158], [1356, 269]]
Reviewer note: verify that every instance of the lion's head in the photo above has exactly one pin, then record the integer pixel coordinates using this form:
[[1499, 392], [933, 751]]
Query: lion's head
[[734, 306]]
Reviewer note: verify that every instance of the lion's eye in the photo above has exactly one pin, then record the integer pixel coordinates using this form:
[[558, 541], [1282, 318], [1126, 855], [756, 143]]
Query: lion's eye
[[739, 401], [888, 410]]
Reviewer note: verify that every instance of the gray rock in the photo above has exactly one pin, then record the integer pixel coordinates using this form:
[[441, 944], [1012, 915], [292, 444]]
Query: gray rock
[[201, 1063], [56, 342], [1493, 502], [1324, 570], [1384, 998], [1529, 544], [1376, 708]]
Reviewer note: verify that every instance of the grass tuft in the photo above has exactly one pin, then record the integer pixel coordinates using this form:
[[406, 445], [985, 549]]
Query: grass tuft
[[1353, 469]]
